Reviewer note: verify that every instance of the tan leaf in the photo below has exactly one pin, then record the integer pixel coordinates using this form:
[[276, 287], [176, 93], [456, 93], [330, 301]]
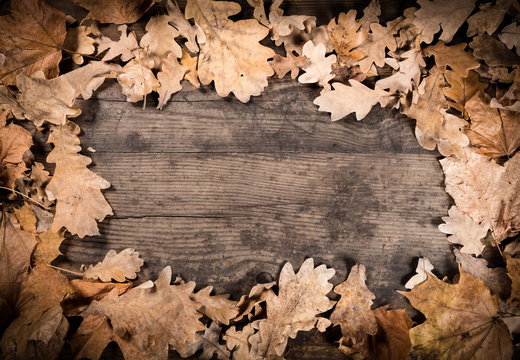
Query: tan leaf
[[424, 267], [451, 139], [282, 65], [486, 191], [26, 218], [489, 18], [346, 36], [191, 65], [234, 44], [238, 341], [31, 38], [259, 293], [79, 42], [170, 78], [137, 79], [510, 35], [464, 231], [427, 110], [513, 271], [282, 26], [407, 76], [353, 314], [461, 321], [164, 313], [297, 38], [259, 11], [124, 47], [117, 266], [39, 179], [493, 52], [217, 307], [462, 89], [392, 341], [160, 39], [76, 189], [184, 27], [318, 68], [40, 328], [14, 142], [494, 278], [115, 11], [301, 297], [48, 247], [209, 344], [344, 100], [453, 56], [448, 14], [370, 15], [495, 131]]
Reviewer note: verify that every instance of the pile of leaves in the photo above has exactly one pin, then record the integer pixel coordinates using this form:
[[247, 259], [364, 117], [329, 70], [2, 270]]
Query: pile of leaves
[[464, 95]]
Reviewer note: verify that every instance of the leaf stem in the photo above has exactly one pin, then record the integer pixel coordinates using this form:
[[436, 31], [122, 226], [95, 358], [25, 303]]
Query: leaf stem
[[67, 270]]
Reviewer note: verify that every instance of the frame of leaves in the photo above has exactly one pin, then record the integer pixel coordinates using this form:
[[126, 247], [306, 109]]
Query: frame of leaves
[[474, 124]]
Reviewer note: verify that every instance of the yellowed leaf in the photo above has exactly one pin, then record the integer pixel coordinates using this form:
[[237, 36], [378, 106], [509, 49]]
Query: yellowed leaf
[[160, 39], [282, 25], [462, 89], [346, 36], [408, 74], [190, 62], [392, 341], [238, 342], [79, 42], [453, 56]]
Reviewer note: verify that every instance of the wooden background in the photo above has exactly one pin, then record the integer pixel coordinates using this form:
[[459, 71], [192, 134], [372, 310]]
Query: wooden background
[[227, 192]]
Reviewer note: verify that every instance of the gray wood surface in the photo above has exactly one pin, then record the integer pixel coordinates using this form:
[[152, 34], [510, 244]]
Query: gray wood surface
[[227, 192]]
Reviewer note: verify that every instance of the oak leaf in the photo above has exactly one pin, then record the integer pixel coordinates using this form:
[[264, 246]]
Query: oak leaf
[[353, 314], [160, 39], [297, 38], [282, 65], [77, 190], [318, 67], [115, 11], [495, 131], [184, 27], [449, 15], [357, 98], [284, 25], [170, 78], [486, 191], [462, 89], [38, 180], [301, 297], [424, 267], [464, 231], [492, 51], [513, 271], [79, 42], [149, 319], [123, 47], [209, 344], [14, 142], [461, 321], [235, 44], [118, 266], [453, 56], [370, 15], [510, 35], [137, 79], [346, 36], [408, 74], [217, 307], [489, 18], [190, 63], [31, 38], [238, 341], [451, 139], [258, 294]]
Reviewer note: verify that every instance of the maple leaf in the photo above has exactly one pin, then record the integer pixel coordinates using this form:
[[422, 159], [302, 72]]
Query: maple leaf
[[424, 267], [461, 321], [76, 189], [318, 68], [209, 343], [40, 328], [14, 142], [282, 26], [282, 65], [137, 79], [170, 78], [486, 191], [453, 56], [392, 341], [353, 314], [217, 307], [464, 231], [184, 27], [489, 18], [234, 44], [115, 11], [493, 52], [449, 15], [346, 36], [35, 46], [510, 35], [160, 39], [301, 297], [117, 266], [495, 131], [149, 319], [79, 43], [357, 98], [462, 89], [494, 278], [123, 47], [408, 74], [238, 341]]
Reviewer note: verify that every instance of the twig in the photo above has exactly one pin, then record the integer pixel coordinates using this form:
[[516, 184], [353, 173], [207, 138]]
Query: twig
[[67, 270]]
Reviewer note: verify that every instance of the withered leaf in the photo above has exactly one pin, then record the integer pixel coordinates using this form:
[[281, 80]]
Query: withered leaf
[[209, 344], [460, 321], [238, 341], [170, 78], [118, 266], [77, 190], [408, 74], [259, 11], [190, 62], [123, 47], [513, 271], [301, 297], [489, 18], [86, 291], [137, 79], [284, 25], [217, 307], [453, 56], [392, 340], [462, 89], [31, 38], [14, 142], [510, 35], [184, 27], [493, 52], [235, 44], [259, 293], [318, 68], [346, 36], [115, 11], [160, 39], [79, 42], [282, 65], [424, 267]]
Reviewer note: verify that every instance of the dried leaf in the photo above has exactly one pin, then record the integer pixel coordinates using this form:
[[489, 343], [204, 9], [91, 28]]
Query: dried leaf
[[39, 179], [424, 267], [464, 231], [493, 52], [125, 46], [238, 342], [160, 39], [117, 266], [461, 321], [184, 27], [259, 293], [79, 42], [282, 65], [513, 271], [353, 314], [282, 26], [451, 139], [486, 191], [191, 65], [370, 15], [137, 79], [297, 38], [209, 343], [462, 89], [489, 18], [318, 68], [86, 79], [234, 44], [346, 36], [495, 131], [35, 45], [259, 11], [344, 100], [407, 76], [76, 188], [510, 35], [301, 297], [217, 307], [164, 313], [14, 142], [392, 341], [453, 56], [170, 78], [115, 11], [449, 15]]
